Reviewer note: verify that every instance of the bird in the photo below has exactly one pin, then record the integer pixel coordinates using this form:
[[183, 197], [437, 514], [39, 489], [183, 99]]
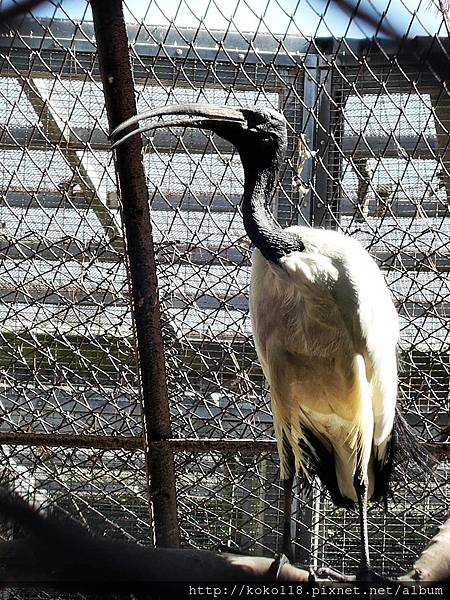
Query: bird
[[323, 320]]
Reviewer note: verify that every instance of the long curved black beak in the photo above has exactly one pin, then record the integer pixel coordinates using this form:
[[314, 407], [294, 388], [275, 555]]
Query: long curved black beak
[[203, 116]]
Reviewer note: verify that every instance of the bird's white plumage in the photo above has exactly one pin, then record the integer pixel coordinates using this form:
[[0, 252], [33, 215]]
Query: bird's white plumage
[[326, 331]]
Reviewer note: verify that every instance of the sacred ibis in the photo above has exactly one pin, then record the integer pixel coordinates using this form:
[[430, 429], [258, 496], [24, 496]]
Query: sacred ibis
[[324, 324]]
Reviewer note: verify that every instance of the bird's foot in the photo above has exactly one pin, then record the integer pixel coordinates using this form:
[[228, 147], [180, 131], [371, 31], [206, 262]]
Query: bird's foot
[[364, 575], [288, 553], [273, 573], [287, 549], [334, 575], [368, 575], [229, 547]]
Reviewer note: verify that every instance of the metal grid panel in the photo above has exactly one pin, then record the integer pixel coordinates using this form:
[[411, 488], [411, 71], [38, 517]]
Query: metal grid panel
[[101, 488], [391, 158], [67, 358], [67, 351]]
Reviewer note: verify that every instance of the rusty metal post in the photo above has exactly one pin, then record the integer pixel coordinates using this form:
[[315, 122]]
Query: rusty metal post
[[118, 86]]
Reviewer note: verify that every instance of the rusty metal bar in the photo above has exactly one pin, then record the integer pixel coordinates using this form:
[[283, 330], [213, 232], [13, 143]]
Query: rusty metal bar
[[439, 450], [244, 446], [118, 87], [112, 442], [71, 440]]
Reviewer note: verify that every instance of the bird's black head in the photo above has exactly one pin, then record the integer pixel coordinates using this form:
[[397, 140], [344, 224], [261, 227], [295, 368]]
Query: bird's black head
[[259, 134], [260, 137]]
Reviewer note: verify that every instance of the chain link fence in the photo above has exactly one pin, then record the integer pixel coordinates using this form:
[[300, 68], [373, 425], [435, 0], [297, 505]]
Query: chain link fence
[[375, 124]]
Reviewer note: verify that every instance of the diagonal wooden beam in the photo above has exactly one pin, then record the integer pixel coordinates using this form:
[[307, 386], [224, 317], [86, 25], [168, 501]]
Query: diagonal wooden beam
[[59, 133]]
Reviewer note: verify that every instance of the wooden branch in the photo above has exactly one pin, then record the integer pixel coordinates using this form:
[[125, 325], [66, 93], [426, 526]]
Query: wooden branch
[[61, 555], [434, 562], [40, 564]]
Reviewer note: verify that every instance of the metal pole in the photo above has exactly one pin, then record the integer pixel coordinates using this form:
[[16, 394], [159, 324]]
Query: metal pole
[[323, 145], [309, 129], [118, 87]]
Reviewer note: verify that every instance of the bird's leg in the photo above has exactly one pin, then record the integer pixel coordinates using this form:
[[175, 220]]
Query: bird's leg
[[360, 484], [365, 572], [287, 518]]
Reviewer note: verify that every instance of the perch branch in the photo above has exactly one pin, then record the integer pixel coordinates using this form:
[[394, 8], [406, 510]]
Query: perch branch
[[60, 554], [434, 562]]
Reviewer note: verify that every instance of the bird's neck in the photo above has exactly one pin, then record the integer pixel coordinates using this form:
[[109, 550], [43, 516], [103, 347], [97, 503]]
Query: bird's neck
[[260, 225]]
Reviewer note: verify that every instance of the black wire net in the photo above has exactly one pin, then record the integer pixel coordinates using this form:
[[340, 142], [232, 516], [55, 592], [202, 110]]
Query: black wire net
[[368, 154]]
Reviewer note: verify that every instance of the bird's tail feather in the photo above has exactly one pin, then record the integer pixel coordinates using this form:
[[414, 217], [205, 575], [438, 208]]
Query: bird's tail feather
[[405, 452], [320, 461], [410, 449]]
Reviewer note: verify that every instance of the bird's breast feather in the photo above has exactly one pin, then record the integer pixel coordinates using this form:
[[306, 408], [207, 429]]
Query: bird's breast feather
[[310, 271]]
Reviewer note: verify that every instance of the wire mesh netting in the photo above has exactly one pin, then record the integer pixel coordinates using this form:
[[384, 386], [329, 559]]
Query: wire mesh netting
[[373, 162]]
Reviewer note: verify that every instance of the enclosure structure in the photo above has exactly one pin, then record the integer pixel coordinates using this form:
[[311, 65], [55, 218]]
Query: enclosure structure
[[373, 162]]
